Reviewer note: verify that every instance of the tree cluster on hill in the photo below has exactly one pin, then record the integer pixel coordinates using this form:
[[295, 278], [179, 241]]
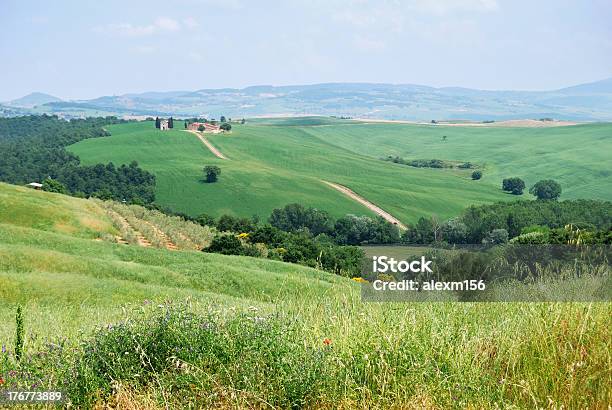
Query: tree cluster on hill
[[348, 230], [33, 150], [244, 236], [492, 223], [420, 163], [513, 185]]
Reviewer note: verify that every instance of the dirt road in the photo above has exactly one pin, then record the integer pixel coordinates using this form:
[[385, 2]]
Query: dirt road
[[210, 146], [346, 191]]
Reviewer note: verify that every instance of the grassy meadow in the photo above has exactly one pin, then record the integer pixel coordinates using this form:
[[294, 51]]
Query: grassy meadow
[[138, 327], [575, 156], [272, 165]]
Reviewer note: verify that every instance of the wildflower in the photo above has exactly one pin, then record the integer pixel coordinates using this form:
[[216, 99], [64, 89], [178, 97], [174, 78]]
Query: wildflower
[[243, 235], [3, 348], [360, 280], [1, 381], [253, 309], [327, 341]]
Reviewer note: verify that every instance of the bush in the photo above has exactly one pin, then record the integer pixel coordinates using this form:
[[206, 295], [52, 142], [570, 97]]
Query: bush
[[212, 173], [226, 244], [496, 237], [546, 189], [514, 185], [51, 185], [205, 220], [260, 356], [454, 231], [295, 216], [226, 126], [476, 175]]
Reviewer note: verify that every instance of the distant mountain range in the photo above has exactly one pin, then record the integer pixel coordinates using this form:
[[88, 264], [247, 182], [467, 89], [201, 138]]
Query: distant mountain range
[[585, 102], [32, 100]]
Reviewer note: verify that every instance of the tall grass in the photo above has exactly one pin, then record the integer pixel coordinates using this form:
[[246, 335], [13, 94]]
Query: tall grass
[[342, 354]]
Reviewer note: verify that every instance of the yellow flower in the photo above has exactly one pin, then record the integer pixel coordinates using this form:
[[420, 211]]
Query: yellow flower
[[243, 235], [360, 280]]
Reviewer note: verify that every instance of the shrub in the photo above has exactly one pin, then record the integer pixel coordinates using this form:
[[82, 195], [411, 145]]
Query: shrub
[[205, 220], [476, 175], [496, 237], [212, 173], [546, 189], [454, 231], [226, 244], [51, 185], [514, 185], [260, 356]]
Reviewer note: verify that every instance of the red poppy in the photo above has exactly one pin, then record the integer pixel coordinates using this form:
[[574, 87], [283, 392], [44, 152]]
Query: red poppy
[[327, 341], [1, 381]]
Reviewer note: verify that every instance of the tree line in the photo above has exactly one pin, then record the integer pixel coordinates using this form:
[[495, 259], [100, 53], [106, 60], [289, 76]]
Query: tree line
[[302, 235], [503, 221], [34, 150]]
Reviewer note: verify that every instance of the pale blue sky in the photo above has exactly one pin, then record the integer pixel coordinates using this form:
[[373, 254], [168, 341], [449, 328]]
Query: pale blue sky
[[85, 49]]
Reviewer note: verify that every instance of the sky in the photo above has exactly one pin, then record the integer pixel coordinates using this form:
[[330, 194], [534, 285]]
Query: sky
[[76, 49]]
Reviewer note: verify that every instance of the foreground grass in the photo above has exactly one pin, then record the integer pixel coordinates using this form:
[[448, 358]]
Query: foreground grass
[[341, 353]]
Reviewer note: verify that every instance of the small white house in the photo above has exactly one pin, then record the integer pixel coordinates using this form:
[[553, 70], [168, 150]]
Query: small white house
[[34, 185], [163, 125]]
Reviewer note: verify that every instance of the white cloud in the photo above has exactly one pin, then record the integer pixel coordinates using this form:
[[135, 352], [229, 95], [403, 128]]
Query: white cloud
[[165, 23], [191, 23], [161, 24]]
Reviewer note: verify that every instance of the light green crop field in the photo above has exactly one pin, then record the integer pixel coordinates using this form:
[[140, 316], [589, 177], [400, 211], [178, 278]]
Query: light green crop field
[[370, 355], [578, 156], [271, 165]]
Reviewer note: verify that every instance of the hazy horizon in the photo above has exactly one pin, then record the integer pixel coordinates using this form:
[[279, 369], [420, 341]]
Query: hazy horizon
[[82, 51], [295, 85]]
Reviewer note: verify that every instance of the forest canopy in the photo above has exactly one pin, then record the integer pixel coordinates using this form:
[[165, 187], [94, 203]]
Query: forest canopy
[[33, 150]]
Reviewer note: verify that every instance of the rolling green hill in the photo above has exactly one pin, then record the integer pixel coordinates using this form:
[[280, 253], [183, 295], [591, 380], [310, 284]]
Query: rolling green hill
[[273, 162], [272, 165], [578, 157], [53, 258]]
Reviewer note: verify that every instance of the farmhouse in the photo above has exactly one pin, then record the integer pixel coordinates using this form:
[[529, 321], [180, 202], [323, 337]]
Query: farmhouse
[[195, 126], [35, 185], [164, 125]]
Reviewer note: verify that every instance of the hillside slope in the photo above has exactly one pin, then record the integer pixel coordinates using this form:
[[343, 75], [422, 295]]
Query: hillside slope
[[284, 336], [54, 261], [273, 165]]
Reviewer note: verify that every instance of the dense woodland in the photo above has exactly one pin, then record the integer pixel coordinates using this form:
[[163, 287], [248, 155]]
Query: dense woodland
[[33, 150]]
